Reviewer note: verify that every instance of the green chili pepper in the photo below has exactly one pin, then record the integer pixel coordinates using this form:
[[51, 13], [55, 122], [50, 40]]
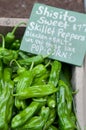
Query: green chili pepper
[[20, 69], [64, 107], [41, 80], [28, 61], [8, 55], [55, 72], [36, 91], [24, 115], [68, 97], [52, 128], [24, 77], [3, 124], [6, 99], [3, 102], [21, 104], [7, 74], [39, 70], [35, 123], [54, 78], [45, 111], [5, 54], [50, 120], [10, 84], [10, 36], [23, 81]]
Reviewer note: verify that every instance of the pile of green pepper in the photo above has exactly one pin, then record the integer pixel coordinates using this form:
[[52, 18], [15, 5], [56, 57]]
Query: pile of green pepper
[[35, 92]]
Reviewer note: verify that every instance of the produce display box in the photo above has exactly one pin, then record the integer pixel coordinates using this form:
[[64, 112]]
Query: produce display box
[[78, 73]]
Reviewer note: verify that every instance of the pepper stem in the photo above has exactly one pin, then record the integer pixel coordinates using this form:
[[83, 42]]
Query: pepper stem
[[49, 62], [3, 41], [31, 67], [14, 29], [75, 92], [15, 62]]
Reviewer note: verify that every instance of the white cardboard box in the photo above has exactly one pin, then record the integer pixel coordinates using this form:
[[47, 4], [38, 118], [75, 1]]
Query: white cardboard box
[[79, 83], [78, 73]]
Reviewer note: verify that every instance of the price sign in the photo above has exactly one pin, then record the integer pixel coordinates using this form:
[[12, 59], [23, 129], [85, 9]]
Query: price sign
[[56, 31]]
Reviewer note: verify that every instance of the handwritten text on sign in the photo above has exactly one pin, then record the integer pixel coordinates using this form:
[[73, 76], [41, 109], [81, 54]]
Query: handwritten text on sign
[[58, 31]]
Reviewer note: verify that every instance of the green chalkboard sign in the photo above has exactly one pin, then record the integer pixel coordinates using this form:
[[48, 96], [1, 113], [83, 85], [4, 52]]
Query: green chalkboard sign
[[55, 30]]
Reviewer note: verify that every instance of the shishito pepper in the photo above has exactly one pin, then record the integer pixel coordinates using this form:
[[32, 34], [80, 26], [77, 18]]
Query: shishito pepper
[[25, 77], [6, 99], [54, 78], [10, 84], [10, 36], [3, 123], [23, 80], [28, 61], [67, 119], [50, 120], [53, 128], [41, 74], [55, 72], [5, 54], [35, 123], [25, 114], [8, 55], [36, 91], [39, 70], [20, 78], [41, 80], [45, 112]]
